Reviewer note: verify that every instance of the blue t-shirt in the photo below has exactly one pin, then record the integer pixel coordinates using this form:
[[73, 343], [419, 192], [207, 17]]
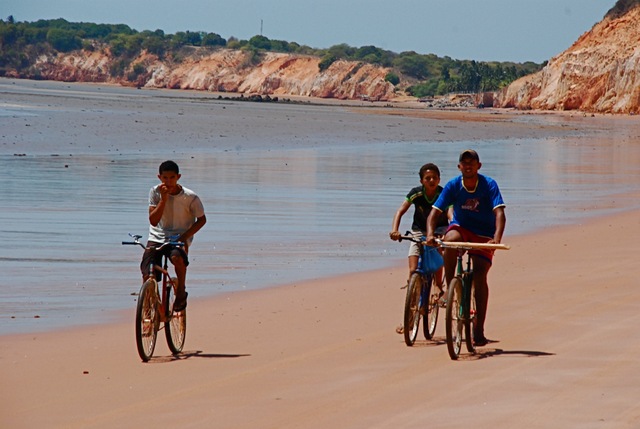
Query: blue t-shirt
[[472, 209]]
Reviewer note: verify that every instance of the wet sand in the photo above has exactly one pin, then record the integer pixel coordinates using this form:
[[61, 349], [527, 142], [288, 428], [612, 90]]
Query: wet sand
[[60, 118], [324, 353]]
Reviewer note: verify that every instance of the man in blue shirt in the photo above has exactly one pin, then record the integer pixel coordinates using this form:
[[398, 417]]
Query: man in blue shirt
[[478, 216]]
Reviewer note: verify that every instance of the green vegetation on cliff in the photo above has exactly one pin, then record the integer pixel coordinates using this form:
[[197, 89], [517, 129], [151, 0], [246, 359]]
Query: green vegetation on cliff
[[420, 75]]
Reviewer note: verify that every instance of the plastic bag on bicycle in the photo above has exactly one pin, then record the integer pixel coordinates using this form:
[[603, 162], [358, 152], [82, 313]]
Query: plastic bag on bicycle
[[431, 260]]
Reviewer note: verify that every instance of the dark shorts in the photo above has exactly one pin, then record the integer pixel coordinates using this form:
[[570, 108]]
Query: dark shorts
[[474, 238], [150, 254]]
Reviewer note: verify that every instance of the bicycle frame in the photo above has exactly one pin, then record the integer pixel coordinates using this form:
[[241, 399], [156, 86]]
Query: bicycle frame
[[466, 275], [166, 283], [427, 279], [154, 310], [460, 299], [419, 304]]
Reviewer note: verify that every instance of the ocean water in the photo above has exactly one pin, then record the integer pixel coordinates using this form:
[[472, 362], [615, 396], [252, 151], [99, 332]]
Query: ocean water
[[277, 213]]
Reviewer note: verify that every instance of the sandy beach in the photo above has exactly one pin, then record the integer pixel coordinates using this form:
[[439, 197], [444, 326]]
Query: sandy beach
[[324, 353]]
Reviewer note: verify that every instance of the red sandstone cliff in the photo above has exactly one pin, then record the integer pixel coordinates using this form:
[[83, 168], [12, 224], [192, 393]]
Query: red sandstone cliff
[[600, 72], [228, 71]]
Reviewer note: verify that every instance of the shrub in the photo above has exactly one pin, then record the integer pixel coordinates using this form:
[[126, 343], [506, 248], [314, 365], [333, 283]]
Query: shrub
[[392, 78], [326, 62]]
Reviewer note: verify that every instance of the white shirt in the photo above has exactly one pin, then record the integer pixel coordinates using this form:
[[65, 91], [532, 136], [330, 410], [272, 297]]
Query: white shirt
[[180, 212]]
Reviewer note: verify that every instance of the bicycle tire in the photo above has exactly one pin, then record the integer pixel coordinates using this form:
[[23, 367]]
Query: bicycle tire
[[412, 309], [454, 322], [431, 308], [470, 318], [147, 319], [175, 327]]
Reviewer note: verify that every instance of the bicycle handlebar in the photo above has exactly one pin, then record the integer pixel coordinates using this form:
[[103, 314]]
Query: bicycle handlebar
[[136, 241], [410, 238]]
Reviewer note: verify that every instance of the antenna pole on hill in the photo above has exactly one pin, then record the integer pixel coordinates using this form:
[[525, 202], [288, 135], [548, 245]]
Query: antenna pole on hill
[[261, 27]]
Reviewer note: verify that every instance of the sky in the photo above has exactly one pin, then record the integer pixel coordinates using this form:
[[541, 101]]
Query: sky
[[481, 30]]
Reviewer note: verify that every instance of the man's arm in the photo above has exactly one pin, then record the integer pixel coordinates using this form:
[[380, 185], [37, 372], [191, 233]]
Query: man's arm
[[199, 223], [432, 222], [155, 212], [394, 234], [501, 221]]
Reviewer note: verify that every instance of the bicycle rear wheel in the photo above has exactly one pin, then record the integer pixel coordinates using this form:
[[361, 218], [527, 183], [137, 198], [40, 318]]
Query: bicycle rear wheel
[[412, 309], [454, 320], [431, 308], [147, 319], [470, 317], [175, 327]]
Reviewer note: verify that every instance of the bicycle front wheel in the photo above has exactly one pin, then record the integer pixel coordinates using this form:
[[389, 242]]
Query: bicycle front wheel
[[431, 296], [470, 316], [454, 318], [175, 327], [147, 319], [412, 309]]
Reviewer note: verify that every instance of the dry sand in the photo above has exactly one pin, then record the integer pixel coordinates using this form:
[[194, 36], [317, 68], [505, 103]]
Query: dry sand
[[324, 354]]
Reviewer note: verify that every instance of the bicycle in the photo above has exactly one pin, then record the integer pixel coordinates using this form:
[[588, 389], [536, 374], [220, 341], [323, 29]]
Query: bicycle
[[154, 308], [461, 302], [421, 300]]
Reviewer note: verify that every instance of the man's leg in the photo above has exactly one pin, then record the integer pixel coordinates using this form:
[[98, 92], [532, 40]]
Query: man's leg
[[180, 265], [450, 256], [480, 271], [148, 257], [413, 266]]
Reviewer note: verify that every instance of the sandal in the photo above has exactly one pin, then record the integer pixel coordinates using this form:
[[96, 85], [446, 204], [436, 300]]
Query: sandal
[[180, 305], [442, 298]]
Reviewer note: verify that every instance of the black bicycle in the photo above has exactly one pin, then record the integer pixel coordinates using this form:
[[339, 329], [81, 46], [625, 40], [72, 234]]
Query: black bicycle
[[421, 300], [155, 308]]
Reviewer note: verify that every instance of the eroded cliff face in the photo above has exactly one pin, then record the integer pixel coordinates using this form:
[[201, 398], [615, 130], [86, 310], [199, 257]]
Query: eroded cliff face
[[600, 72], [227, 71]]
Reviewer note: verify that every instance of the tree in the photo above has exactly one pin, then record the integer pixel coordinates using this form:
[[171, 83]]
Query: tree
[[63, 40], [194, 38], [412, 64], [213, 39], [341, 51], [260, 42], [154, 45]]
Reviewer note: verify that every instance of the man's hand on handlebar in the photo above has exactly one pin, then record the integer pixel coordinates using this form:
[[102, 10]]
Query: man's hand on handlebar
[[431, 241]]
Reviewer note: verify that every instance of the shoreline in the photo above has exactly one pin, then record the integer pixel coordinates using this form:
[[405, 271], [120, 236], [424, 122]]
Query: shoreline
[[324, 353], [401, 102], [119, 316]]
